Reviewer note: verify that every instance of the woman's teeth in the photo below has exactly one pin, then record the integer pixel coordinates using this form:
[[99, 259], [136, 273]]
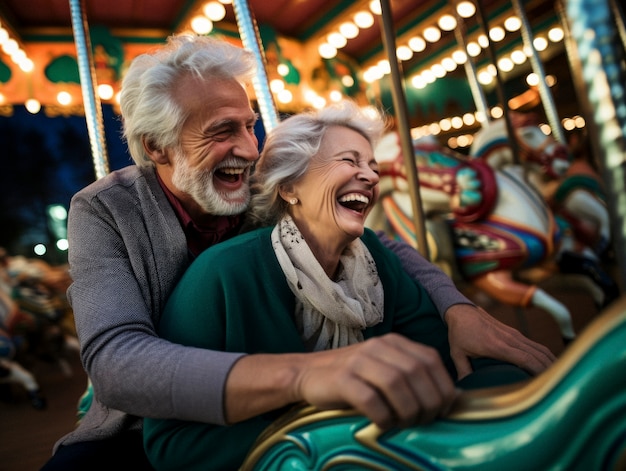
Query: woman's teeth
[[354, 197]]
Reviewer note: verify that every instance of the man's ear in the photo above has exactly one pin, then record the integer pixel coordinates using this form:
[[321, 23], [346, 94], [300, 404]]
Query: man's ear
[[158, 156]]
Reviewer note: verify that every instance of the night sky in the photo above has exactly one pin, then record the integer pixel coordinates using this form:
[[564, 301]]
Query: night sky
[[45, 161]]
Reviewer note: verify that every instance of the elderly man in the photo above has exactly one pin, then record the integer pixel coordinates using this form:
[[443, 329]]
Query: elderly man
[[190, 130]]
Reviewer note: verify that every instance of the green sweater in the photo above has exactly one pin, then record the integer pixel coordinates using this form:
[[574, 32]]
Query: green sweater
[[235, 298]]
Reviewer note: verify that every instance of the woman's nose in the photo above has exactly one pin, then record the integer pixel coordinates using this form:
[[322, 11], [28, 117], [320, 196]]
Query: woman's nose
[[367, 174]]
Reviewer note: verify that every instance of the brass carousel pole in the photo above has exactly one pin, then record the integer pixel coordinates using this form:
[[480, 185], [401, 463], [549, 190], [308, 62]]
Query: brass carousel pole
[[251, 39], [404, 129], [597, 60], [91, 101]]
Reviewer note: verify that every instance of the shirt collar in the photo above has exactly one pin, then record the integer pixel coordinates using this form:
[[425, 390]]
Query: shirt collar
[[200, 236]]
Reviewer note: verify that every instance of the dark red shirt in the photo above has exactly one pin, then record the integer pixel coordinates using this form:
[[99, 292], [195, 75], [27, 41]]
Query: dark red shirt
[[212, 230]]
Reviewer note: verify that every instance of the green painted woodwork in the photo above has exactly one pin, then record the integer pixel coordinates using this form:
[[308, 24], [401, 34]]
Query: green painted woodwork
[[63, 69], [573, 417], [5, 72]]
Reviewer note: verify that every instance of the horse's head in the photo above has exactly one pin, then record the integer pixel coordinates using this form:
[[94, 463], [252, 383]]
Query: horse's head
[[428, 154], [427, 151], [448, 180], [536, 148]]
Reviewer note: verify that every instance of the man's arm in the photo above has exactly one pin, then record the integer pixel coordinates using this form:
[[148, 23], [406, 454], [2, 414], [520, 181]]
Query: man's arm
[[131, 368], [472, 332], [390, 379], [439, 286]]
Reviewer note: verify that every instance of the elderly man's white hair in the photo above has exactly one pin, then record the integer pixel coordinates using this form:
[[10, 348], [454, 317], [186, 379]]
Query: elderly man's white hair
[[147, 98]]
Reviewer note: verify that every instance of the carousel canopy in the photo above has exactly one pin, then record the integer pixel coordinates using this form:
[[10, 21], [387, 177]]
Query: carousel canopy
[[316, 50]]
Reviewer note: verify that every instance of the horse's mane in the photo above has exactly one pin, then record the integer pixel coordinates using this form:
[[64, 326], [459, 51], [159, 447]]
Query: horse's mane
[[489, 138]]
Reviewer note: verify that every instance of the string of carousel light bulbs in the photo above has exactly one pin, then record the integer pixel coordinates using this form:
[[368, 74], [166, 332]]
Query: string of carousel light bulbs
[[214, 11], [12, 48], [349, 29]]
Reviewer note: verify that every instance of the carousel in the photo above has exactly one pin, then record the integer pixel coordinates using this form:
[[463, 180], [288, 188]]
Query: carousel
[[504, 166]]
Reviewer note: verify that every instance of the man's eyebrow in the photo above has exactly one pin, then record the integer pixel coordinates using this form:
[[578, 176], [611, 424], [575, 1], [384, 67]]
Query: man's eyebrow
[[252, 120], [230, 122], [218, 124]]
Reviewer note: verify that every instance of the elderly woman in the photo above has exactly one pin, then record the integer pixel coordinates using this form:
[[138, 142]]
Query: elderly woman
[[311, 277]]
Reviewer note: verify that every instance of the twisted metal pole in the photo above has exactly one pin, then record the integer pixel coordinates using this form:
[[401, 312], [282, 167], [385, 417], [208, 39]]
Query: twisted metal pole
[[480, 100], [504, 103], [91, 101], [251, 39], [544, 91]]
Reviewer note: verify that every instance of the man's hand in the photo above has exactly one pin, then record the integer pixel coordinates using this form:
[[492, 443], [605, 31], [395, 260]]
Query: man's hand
[[390, 379], [473, 333]]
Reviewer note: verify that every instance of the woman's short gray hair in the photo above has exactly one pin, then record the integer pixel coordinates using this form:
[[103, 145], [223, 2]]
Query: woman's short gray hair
[[147, 98], [289, 148]]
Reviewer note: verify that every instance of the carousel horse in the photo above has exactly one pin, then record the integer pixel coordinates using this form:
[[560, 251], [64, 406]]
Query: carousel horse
[[34, 321], [572, 416], [11, 371], [497, 224], [572, 189]]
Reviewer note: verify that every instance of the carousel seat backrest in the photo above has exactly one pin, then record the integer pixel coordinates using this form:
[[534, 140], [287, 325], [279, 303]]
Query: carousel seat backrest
[[572, 416]]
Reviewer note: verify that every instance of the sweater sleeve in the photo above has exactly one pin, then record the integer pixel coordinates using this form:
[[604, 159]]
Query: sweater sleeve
[[439, 286], [117, 294]]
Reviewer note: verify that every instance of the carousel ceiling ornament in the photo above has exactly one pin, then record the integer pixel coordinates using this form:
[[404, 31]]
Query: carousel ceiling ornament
[[15, 53]]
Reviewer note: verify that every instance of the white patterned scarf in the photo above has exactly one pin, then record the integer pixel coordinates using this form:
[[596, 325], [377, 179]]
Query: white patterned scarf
[[329, 314]]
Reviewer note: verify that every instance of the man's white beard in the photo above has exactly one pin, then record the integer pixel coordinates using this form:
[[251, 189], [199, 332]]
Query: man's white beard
[[199, 185]]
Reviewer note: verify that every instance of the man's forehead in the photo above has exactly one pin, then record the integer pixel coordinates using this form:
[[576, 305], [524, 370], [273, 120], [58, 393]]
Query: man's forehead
[[190, 88]]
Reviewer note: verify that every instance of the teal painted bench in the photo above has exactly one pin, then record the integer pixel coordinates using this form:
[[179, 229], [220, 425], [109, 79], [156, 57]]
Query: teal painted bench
[[571, 417]]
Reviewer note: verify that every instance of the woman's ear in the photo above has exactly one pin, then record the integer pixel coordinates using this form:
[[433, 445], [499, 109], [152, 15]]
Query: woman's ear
[[286, 192], [158, 156]]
